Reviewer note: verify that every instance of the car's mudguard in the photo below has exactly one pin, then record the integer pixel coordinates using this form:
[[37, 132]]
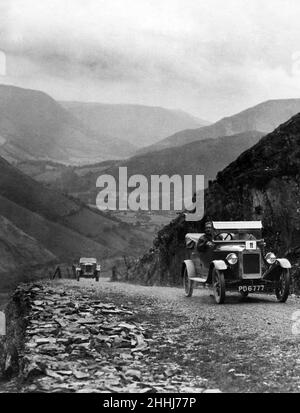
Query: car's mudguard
[[219, 265], [275, 270], [190, 266], [284, 263]]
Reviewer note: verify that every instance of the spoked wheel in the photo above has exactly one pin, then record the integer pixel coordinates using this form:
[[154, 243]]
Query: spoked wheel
[[283, 288], [187, 284], [219, 286]]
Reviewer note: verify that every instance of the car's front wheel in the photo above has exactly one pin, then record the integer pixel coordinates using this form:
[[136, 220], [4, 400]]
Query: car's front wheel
[[187, 284], [219, 289], [283, 287]]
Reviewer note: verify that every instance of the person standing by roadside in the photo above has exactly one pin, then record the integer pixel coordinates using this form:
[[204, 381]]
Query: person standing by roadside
[[74, 269], [57, 272]]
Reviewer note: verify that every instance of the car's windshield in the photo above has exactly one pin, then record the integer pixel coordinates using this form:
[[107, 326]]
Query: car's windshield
[[237, 235]]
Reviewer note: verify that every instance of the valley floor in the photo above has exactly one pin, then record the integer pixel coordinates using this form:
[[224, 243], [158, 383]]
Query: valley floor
[[133, 338]]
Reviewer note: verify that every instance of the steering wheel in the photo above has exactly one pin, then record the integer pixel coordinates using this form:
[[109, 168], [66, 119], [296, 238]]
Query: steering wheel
[[224, 236], [228, 235]]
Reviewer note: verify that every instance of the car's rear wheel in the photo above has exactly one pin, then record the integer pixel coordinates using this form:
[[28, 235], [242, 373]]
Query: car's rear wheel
[[219, 286], [282, 289], [78, 276], [187, 284]]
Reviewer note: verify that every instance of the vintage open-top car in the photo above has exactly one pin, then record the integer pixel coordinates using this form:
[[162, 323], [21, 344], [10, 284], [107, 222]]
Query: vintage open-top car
[[88, 268], [235, 260]]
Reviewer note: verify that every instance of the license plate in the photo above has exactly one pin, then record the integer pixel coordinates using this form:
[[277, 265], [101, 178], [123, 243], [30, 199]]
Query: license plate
[[251, 288]]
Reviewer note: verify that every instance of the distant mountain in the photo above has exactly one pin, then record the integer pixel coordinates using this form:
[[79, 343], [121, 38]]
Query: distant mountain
[[140, 125], [35, 126], [261, 184], [62, 225], [206, 157], [264, 117]]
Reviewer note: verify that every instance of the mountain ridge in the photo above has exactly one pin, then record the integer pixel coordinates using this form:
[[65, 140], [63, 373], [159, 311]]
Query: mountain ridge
[[264, 117], [34, 126], [138, 124]]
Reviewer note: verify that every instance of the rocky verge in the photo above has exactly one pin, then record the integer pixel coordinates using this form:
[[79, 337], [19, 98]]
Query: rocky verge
[[12, 344], [64, 339]]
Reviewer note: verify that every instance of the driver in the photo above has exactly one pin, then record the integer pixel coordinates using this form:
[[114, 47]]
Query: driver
[[247, 237], [206, 241]]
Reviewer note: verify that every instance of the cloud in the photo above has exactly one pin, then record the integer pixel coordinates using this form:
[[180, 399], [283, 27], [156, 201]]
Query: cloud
[[208, 57]]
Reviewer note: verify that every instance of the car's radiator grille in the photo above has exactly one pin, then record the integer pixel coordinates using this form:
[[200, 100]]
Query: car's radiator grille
[[88, 268], [251, 263]]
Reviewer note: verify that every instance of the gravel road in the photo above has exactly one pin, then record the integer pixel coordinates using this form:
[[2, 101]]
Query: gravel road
[[245, 345], [258, 314]]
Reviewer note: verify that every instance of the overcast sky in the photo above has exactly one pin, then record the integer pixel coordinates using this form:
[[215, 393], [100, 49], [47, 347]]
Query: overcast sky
[[211, 58]]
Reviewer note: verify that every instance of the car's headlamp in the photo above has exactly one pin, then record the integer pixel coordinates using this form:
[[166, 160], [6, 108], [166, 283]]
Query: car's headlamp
[[270, 258], [232, 259]]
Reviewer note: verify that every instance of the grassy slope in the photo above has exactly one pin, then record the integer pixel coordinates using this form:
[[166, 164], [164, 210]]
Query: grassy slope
[[53, 206]]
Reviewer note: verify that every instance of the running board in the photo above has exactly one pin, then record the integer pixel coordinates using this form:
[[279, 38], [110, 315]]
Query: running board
[[199, 280]]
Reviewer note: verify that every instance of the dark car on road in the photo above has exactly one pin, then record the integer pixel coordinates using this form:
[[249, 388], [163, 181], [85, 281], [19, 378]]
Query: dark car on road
[[235, 260]]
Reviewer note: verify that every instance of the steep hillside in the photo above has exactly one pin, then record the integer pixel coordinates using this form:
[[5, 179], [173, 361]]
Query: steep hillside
[[17, 249], [35, 126], [61, 223], [264, 117], [263, 183], [66, 178], [66, 244], [20, 254], [137, 124]]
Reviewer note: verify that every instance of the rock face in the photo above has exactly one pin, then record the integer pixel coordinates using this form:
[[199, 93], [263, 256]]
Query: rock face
[[262, 184]]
